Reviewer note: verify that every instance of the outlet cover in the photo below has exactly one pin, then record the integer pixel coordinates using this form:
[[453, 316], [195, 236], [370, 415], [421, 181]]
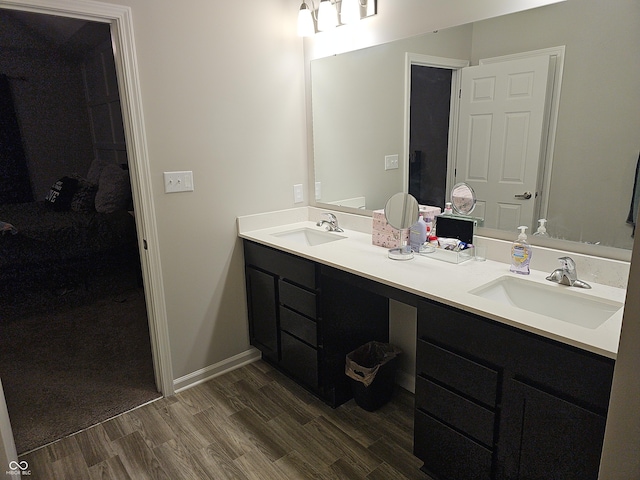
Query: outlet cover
[[318, 190], [298, 193]]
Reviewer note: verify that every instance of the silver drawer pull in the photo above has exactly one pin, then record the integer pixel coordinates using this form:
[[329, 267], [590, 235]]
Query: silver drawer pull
[[524, 196]]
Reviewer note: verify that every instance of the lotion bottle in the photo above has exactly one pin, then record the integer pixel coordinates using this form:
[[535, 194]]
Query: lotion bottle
[[521, 253], [418, 234]]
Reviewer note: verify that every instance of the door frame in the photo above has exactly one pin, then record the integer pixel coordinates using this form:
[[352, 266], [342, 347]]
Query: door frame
[[437, 62], [120, 19]]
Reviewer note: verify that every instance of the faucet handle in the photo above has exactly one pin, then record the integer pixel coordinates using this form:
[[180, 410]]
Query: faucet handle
[[331, 216], [568, 263]]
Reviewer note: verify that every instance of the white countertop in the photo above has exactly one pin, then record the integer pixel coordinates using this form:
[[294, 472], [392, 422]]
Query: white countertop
[[443, 282]]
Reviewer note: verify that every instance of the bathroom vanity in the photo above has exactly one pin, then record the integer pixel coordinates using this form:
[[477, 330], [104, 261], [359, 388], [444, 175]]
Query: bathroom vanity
[[511, 404], [500, 393], [305, 322]]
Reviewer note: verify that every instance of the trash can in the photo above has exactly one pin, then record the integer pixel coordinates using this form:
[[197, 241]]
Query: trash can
[[372, 369]]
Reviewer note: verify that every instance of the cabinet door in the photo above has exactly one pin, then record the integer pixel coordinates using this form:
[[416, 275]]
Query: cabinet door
[[546, 437], [263, 316]]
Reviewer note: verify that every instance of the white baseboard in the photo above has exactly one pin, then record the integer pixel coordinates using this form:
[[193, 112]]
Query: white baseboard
[[212, 371], [406, 381]]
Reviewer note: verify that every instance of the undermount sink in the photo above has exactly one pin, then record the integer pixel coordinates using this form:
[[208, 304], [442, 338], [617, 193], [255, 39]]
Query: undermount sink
[[555, 301], [309, 236]]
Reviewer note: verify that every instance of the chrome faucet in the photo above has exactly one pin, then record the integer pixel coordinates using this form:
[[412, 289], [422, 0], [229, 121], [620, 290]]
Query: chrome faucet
[[332, 223], [567, 275]]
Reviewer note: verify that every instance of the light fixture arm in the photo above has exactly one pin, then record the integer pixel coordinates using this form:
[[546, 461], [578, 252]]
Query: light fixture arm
[[308, 10]]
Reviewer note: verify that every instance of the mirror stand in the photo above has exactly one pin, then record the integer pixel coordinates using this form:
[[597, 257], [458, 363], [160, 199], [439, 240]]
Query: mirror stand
[[403, 252]]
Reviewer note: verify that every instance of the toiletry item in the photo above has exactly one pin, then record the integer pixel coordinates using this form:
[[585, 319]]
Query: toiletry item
[[429, 222], [542, 229], [448, 210], [418, 234], [521, 253]]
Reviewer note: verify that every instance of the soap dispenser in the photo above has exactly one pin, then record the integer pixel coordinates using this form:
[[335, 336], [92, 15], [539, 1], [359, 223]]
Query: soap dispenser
[[542, 229], [521, 253]]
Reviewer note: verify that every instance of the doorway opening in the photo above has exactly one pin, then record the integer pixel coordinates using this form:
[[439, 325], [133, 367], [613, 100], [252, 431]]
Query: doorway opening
[[75, 342]]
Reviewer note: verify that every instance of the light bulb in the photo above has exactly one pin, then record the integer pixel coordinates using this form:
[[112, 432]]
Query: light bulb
[[327, 16], [350, 11], [305, 22]]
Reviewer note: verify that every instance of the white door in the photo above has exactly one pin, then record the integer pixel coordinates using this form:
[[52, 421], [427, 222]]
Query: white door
[[500, 138]]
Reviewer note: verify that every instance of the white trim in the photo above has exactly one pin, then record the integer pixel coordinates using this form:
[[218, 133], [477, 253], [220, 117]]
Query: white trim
[[556, 57], [8, 451], [207, 373], [438, 62], [119, 17]]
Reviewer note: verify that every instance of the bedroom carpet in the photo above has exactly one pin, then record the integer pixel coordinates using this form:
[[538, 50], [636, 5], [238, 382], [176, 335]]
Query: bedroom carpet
[[73, 356]]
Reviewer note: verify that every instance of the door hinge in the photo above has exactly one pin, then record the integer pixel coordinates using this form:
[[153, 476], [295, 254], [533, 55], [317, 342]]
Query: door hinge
[[144, 244], [460, 93]]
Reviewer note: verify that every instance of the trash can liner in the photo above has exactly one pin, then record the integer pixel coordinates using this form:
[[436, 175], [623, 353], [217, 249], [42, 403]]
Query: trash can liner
[[363, 363]]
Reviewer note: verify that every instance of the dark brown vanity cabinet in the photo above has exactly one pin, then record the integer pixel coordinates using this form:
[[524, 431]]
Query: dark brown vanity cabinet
[[495, 402], [305, 317]]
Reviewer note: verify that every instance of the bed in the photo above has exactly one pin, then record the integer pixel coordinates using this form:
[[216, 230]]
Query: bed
[[73, 230]]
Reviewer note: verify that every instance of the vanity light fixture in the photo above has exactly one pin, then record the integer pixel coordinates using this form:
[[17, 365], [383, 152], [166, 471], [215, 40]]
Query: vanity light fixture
[[328, 16]]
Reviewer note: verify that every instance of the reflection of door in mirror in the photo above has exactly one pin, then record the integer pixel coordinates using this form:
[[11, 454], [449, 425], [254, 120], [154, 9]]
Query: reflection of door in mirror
[[430, 104], [500, 138], [500, 135]]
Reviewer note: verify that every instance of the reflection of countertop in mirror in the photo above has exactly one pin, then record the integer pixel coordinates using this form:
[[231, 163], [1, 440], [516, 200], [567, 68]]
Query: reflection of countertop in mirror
[[433, 279]]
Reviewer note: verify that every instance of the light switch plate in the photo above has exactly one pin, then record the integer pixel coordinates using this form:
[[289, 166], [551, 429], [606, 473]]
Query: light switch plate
[[318, 187], [178, 182], [390, 162]]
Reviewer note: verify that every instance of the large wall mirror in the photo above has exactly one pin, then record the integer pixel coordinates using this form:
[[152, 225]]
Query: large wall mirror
[[358, 101]]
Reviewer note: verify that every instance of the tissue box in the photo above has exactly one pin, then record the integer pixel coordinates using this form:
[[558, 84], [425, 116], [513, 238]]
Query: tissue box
[[428, 211], [384, 235]]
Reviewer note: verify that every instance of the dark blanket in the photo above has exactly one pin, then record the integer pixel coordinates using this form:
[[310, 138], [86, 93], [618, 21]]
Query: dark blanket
[[46, 236]]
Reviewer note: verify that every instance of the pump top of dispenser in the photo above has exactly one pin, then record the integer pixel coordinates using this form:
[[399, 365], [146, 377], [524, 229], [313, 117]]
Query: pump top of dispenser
[[522, 235], [542, 229]]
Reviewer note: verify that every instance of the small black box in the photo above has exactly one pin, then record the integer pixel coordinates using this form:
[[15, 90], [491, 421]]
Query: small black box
[[455, 227]]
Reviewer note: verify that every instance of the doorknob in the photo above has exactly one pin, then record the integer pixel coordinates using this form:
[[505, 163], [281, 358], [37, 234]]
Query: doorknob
[[524, 196]]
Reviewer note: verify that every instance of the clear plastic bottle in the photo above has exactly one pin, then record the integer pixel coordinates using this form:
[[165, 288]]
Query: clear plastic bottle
[[418, 234], [542, 229], [521, 253]]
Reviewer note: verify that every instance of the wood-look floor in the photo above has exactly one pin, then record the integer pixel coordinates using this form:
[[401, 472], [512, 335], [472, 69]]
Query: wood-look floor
[[251, 423]]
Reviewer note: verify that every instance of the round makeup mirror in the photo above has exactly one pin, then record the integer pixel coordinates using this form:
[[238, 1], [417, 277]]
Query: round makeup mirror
[[463, 199], [401, 211]]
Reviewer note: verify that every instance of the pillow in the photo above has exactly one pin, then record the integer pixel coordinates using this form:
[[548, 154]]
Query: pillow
[[83, 200], [61, 193], [95, 169], [114, 190]]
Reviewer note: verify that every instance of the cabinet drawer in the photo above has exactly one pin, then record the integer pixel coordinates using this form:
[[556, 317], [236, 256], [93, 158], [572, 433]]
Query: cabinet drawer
[[297, 270], [298, 299], [459, 373], [454, 410], [299, 326], [299, 360], [448, 454]]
